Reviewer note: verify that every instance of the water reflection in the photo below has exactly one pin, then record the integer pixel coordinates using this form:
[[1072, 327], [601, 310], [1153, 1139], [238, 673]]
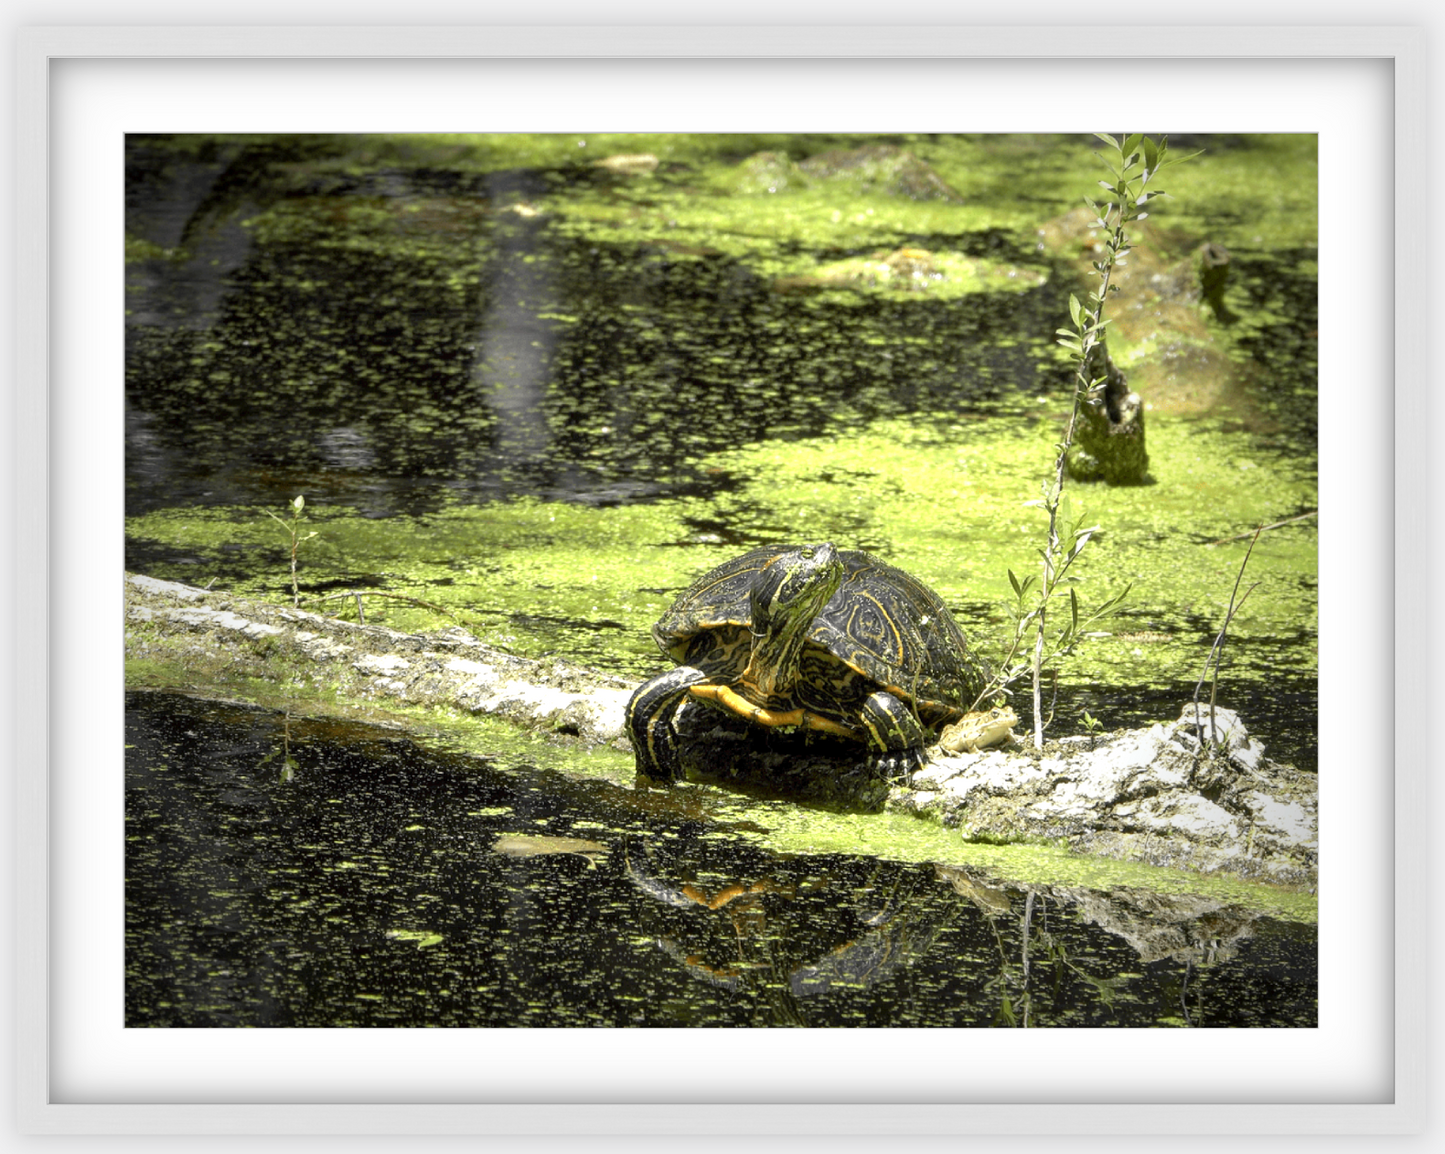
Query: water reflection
[[304, 873], [515, 345]]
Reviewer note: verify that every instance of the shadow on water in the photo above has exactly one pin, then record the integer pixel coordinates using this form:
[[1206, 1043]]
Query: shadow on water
[[282, 873]]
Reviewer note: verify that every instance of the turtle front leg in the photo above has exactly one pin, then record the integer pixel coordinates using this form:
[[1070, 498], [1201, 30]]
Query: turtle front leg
[[894, 733], [649, 722]]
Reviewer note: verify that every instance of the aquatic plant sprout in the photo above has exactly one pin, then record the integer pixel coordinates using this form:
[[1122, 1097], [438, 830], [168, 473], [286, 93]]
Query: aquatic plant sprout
[[292, 530]]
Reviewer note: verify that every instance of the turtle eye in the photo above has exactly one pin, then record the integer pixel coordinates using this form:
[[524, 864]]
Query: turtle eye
[[807, 554]]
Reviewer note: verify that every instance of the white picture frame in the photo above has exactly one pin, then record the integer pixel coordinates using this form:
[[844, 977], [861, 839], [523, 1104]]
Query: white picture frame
[[49, 411]]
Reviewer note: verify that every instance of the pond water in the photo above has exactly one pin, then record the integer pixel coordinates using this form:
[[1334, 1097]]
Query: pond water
[[290, 873], [534, 385]]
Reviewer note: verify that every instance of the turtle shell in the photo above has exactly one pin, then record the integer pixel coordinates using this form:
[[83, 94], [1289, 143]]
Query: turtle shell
[[882, 626]]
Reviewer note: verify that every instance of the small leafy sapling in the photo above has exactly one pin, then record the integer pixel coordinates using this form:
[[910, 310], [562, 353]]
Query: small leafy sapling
[[1051, 636], [293, 531], [1133, 163]]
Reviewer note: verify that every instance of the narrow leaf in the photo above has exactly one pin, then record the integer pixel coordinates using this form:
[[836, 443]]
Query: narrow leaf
[[1181, 159]]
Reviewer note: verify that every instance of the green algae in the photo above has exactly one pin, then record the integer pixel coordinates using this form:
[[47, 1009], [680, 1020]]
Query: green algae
[[435, 230], [951, 503], [422, 939], [331, 901], [907, 469], [307, 692], [779, 826], [914, 273], [138, 249], [425, 255], [948, 501], [1260, 191], [1262, 194]]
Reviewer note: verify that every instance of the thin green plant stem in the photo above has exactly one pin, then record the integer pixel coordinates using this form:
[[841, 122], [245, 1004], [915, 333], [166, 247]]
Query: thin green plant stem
[[291, 528], [1216, 651]]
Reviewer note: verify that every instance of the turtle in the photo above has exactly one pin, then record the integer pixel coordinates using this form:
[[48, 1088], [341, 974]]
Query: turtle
[[809, 637]]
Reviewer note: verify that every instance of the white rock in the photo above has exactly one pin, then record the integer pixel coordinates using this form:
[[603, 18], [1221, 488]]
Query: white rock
[[166, 588], [1286, 817], [381, 664]]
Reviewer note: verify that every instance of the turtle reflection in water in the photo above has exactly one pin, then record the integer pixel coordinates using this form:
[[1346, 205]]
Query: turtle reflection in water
[[776, 929], [813, 638]]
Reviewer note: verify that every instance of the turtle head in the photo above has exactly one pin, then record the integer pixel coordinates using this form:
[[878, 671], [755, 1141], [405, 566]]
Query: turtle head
[[787, 594]]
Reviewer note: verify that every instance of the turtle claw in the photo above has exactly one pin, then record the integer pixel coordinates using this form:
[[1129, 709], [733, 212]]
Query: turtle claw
[[898, 764]]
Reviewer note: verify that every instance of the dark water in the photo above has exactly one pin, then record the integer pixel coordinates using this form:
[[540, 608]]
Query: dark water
[[311, 874], [394, 376], [398, 342]]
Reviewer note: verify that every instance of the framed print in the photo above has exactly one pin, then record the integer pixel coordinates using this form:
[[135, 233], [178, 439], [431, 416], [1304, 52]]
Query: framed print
[[87, 1066]]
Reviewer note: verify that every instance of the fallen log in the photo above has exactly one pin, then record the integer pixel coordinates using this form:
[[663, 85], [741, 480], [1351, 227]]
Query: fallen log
[[369, 662]]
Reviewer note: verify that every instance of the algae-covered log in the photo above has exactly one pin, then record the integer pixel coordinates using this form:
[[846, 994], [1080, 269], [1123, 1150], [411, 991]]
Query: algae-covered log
[[228, 640]]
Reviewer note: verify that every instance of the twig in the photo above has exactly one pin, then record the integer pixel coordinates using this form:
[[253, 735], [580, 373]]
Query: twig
[[1216, 651], [1263, 528], [359, 593]]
